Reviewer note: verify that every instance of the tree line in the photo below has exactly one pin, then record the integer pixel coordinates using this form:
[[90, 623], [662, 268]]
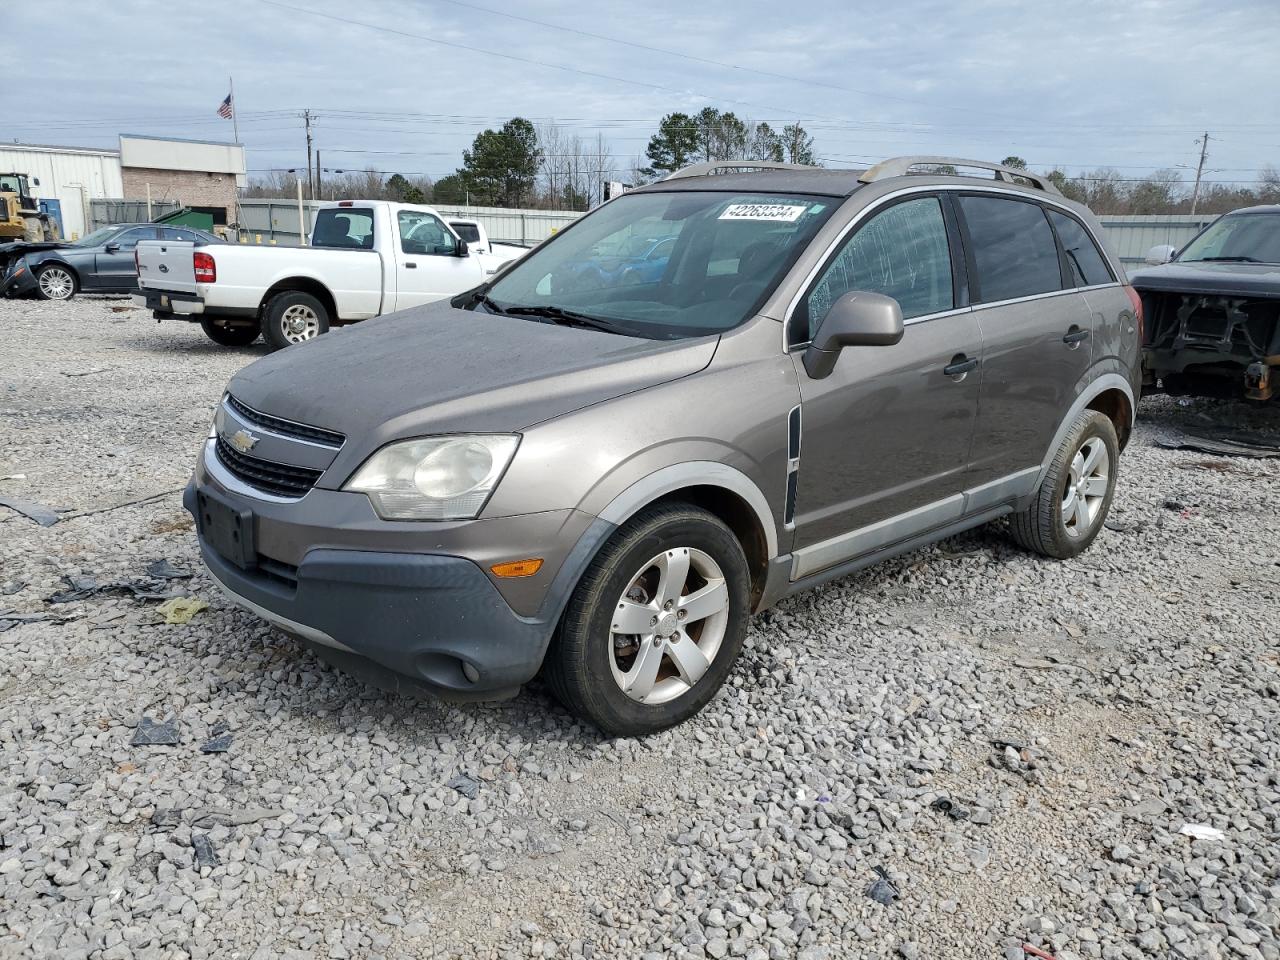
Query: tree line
[[549, 167]]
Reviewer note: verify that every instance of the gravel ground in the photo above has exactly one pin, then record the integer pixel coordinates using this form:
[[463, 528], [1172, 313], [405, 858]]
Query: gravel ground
[[1077, 716]]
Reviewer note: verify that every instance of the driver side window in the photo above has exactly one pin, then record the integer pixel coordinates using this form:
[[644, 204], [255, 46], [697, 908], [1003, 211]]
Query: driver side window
[[901, 252], [129, 238], [423, 234]]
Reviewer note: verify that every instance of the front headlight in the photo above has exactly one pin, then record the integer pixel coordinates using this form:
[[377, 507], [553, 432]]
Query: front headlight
[[435, 478]]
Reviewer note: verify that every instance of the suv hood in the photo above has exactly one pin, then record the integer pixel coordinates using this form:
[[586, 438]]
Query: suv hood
[[436, 369], [1213, 277]]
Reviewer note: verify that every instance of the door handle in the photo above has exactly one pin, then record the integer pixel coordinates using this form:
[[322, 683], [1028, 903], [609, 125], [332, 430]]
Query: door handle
[[1074, 336], [410, 265], [960, 365]]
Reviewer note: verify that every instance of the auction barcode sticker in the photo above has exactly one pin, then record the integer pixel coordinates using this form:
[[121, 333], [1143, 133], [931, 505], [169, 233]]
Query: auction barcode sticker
[[780, 212]]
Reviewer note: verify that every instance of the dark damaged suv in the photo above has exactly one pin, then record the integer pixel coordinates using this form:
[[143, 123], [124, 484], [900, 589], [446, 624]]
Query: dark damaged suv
[[602, 474]]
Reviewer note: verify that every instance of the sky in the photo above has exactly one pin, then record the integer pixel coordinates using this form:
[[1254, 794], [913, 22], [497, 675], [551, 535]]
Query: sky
[[404, 85]]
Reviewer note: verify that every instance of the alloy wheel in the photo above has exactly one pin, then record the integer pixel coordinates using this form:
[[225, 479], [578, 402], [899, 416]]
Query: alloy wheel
[[668, 625], [299, 323], [1086, 490], [56, 283]]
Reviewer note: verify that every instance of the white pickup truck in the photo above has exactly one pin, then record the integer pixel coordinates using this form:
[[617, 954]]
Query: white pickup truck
[[366, 258]]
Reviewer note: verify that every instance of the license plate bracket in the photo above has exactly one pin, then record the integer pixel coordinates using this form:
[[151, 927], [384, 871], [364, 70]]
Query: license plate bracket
[[227, 528]]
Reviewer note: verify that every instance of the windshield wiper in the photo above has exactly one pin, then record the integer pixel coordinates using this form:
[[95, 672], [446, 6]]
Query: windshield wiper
[[569, 318], [492, 305], [1229, 260]]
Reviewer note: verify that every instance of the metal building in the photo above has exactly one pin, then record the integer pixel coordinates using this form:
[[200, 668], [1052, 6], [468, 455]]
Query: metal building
[[71, 175]]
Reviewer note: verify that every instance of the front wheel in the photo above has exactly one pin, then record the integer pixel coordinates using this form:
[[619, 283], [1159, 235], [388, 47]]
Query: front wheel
[[1075, 495], [228, 336], [655, 625], [293, 317], [55, 282]]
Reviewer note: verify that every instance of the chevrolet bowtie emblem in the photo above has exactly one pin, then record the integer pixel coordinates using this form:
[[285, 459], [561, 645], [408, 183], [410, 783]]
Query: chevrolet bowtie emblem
[[243, 441]]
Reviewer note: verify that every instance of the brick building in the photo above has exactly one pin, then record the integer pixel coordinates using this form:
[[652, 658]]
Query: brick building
[[201, 174]]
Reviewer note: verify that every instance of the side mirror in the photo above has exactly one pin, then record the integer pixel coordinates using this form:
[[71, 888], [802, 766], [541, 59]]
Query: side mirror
[[463, 250], [35, 181], [112, 248], [1160, 253], [858, 319]]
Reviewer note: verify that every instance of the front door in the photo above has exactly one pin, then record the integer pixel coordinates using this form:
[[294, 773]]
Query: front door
[[885, 438], [114, 268], [1036, 332], [427, 263]]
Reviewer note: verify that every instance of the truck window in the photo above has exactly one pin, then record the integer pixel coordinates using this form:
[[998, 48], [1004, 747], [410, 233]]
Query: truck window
[[421, 233], [467, 231], [346, 228]]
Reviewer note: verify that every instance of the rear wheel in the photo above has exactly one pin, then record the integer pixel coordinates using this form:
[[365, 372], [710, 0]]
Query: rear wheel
[[55, 282], [293, 317], [228, 336], [655, 625], [1075, 495]]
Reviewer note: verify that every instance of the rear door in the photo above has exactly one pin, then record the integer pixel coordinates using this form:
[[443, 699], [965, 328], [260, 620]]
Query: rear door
[[1036, 332], [885, 438], [427, 263], [113, 264]]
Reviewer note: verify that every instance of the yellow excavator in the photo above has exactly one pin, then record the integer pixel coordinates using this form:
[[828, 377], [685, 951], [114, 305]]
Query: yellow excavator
[[20, 215]]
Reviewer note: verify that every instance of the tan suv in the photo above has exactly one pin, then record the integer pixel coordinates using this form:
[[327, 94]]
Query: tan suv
[[602, 472]]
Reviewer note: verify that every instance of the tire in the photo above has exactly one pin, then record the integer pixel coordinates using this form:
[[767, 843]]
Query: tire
[[56, 282], [1052, 525], [228, 336], [282, 313], [589, 662]]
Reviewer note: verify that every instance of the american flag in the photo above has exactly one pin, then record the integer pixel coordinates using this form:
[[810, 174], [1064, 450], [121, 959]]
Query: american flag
[[225, 109]]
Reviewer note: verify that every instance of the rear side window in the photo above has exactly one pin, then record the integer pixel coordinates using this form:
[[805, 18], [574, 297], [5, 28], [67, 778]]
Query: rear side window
[[901, 252], [1012, 247], [344, 228], [1087, 263], [467, 231]]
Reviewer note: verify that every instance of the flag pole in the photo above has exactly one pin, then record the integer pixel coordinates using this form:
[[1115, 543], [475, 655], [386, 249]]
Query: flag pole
[[235, 129]]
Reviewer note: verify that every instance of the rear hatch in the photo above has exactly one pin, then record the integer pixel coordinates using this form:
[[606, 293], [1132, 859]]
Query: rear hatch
[[166, 265]]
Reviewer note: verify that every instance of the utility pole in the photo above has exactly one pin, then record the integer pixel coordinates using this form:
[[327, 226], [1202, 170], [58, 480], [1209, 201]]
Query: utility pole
[[319, 192], [1204, 155], [311, 185]]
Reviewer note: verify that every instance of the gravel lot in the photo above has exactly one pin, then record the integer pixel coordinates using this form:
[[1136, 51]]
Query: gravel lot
[[1076, 715]]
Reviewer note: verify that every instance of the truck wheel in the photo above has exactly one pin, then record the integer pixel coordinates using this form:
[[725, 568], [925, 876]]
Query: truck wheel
[[293, 317], [55, 282], [228, 336], [1075, 495], [655, 625]]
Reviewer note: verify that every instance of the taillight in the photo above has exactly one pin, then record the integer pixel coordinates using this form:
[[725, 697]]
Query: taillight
[[1136, 300], [206, 269]]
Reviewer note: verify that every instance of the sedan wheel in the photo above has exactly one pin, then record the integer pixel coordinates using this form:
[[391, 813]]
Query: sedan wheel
[[56, 283]]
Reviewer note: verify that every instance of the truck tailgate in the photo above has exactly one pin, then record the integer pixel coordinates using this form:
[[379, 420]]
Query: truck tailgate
[[166, 265]]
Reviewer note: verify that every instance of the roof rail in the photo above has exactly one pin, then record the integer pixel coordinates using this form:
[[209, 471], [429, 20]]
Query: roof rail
[[901, 166], [732, 166]]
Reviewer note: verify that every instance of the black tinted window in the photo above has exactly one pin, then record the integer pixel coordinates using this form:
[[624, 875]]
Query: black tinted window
[[343, 227], [901, 252], [1013, 248], [130, 238], [467, 231], [1087, 264]]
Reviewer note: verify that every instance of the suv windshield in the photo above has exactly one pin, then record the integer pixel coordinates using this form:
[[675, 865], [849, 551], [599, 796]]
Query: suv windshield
[[665, 265], [1240, 237]]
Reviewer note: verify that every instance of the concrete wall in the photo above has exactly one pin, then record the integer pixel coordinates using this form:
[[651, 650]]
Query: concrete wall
[[190, 188], [71, 175]]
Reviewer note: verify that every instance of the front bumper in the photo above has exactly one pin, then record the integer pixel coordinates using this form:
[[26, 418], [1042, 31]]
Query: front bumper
[[18, 280], [407, 607]]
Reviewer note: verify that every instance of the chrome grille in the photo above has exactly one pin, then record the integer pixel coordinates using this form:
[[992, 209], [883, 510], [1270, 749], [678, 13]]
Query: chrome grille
[[280, 479], [286, 428]]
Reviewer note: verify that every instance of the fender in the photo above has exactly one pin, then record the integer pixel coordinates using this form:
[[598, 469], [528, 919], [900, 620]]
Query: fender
[[1099, 385], [694, 473]]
